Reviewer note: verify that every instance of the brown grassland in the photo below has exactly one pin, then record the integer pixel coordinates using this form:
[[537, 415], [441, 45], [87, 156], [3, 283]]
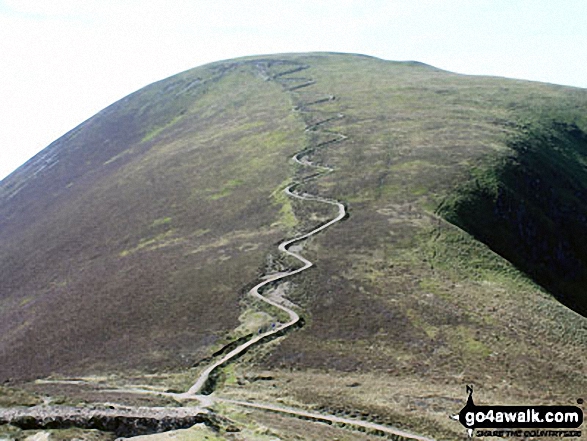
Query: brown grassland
[[126, 247]]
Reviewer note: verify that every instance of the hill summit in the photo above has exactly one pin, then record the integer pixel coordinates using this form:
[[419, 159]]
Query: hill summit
[[128, 245]]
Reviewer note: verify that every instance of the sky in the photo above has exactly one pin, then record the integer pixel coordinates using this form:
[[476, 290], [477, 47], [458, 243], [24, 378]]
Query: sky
[[62, 61]]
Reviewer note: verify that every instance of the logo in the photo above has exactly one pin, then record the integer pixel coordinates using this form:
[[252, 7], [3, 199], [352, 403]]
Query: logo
[[506, 421]]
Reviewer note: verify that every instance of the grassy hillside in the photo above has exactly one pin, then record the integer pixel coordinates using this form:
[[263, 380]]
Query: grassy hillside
[[135, 233], [402, 303], [128, 243], [530, 208]]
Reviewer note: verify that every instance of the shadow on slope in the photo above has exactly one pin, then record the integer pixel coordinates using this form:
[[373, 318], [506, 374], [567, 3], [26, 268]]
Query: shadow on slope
[[530, 208]]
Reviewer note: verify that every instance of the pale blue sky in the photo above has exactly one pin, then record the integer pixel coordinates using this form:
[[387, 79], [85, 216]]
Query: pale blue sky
[[61, 61]]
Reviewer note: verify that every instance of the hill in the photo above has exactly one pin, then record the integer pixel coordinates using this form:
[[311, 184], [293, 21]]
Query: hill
[[128, 245]]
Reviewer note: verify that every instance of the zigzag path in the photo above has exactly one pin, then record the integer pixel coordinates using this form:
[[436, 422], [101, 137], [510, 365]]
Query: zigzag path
[[205, 383]]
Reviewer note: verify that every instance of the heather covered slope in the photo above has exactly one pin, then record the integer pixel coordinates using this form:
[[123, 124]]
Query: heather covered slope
[[133, 250], [404, 305], [127, 242]]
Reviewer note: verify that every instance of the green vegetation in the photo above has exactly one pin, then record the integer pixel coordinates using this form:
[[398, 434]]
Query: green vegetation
[[287, 217], [162, 221], [10, 397], [399, 291], [156, 131], [466, 224], [530, 208], [154, 266], [226, 189], [152, 243]]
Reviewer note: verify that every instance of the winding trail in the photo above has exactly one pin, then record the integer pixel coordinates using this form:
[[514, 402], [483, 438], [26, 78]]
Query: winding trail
[[301, 158], [378, 429], [294, 318], [204, 384]]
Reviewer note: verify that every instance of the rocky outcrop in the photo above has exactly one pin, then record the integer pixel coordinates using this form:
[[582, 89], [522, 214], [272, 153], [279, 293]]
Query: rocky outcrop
[[122, 421]]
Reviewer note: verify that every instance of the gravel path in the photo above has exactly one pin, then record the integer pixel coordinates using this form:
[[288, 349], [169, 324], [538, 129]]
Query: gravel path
[[124, 420]]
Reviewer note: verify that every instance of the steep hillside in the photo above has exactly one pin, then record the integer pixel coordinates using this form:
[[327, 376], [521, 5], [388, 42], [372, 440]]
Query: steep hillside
[[402, 302], [530, 207], [127, 245], [135, 233]]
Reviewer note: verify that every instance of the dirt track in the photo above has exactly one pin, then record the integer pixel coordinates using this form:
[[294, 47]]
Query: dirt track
[[302, 159], [204, 384]]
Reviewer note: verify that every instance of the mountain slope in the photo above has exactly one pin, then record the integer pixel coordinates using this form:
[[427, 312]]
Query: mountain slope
[[401, 295], [135, 232], [128, 243]]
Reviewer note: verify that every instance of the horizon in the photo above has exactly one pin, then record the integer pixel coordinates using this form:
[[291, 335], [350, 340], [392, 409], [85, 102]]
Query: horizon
[[67, 61]]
